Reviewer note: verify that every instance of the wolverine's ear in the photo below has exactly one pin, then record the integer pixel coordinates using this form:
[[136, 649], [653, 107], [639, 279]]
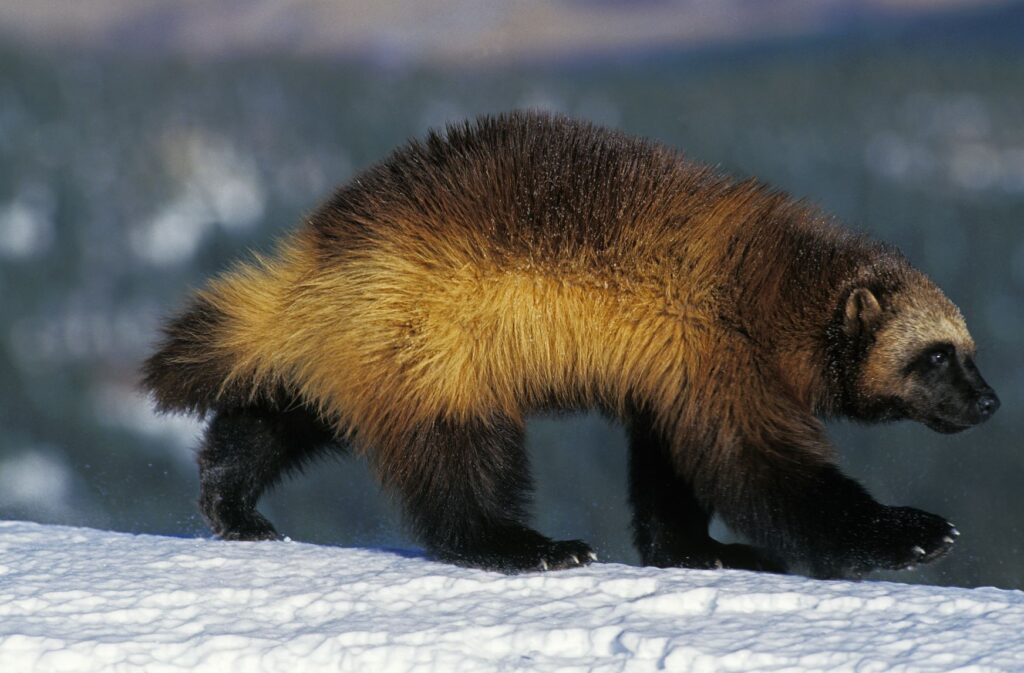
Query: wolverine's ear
[[862, 312]]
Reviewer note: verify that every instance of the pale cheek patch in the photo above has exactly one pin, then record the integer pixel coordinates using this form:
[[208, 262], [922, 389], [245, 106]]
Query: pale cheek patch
[[954, 332], [903, 339], [925, 315], [880, 375]]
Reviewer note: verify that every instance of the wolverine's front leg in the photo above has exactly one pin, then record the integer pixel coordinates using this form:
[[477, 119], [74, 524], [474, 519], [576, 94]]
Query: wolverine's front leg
[[670, 528], [784, 495], [464, 487]]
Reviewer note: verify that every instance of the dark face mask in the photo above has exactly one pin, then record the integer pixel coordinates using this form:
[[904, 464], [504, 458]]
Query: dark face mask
[[949, 394]]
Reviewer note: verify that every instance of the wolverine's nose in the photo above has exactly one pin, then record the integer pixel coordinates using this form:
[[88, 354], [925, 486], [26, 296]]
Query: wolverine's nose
[[987, 405]]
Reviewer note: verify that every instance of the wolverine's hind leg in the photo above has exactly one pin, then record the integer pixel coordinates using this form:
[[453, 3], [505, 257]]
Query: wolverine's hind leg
[[670, 528], [464, 487], [245, 451]]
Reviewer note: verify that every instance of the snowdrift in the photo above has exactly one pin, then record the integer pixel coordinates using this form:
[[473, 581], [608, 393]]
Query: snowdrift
[[83, 600]]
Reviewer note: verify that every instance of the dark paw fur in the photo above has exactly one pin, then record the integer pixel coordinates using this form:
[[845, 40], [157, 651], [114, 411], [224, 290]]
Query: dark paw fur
[[564, 554], [252, 527], [893, 538], [745, 557], [914, 537], [715, 555], [521, 550]]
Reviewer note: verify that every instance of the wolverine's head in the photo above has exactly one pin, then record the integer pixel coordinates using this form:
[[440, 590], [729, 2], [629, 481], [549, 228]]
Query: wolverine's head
[[916, 357]]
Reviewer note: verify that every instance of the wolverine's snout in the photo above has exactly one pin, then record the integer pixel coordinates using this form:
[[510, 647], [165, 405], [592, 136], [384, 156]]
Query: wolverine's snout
[[974, 412], [983, 400], [987, 405], [952, 394], [980, 407]]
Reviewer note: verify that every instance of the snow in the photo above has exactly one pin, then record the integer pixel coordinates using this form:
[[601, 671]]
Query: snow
[[74, 599]]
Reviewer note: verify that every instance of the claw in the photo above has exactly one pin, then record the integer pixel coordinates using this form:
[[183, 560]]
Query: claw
[[910, 566], [543, 564], [918, 551], [954, 532], [592, 555], [575, 560], [948, 540]]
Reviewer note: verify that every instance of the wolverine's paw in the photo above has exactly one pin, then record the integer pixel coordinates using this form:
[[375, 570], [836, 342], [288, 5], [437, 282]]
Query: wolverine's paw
[[745, 557], [890, 538], [913, 537], [564, 554], [517, 550], [253, 528], [550, 555], [713, 555]]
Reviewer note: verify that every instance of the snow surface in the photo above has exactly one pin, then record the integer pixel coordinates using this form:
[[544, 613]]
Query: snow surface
[[74, 599]]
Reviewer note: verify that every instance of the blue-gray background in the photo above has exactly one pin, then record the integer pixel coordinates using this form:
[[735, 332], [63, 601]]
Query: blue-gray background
[[132, 166]]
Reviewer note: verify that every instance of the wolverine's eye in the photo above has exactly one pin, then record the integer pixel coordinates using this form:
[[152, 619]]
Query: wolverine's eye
[[932, 359]]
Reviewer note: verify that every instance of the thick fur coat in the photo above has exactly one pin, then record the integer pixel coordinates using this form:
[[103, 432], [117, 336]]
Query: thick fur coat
[[525, 263]]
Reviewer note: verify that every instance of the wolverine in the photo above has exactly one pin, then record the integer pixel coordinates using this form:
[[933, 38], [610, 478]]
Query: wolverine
[[527, 263]]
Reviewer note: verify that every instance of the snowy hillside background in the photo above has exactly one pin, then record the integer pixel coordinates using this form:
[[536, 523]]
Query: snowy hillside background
[[132, 167], [74, 599]]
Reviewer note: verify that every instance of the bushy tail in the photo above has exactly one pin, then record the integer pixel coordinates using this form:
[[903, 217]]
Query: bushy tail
[[188, 373]]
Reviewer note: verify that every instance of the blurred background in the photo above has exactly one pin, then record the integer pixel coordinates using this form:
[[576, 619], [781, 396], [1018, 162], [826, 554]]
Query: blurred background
[[143, 146]]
